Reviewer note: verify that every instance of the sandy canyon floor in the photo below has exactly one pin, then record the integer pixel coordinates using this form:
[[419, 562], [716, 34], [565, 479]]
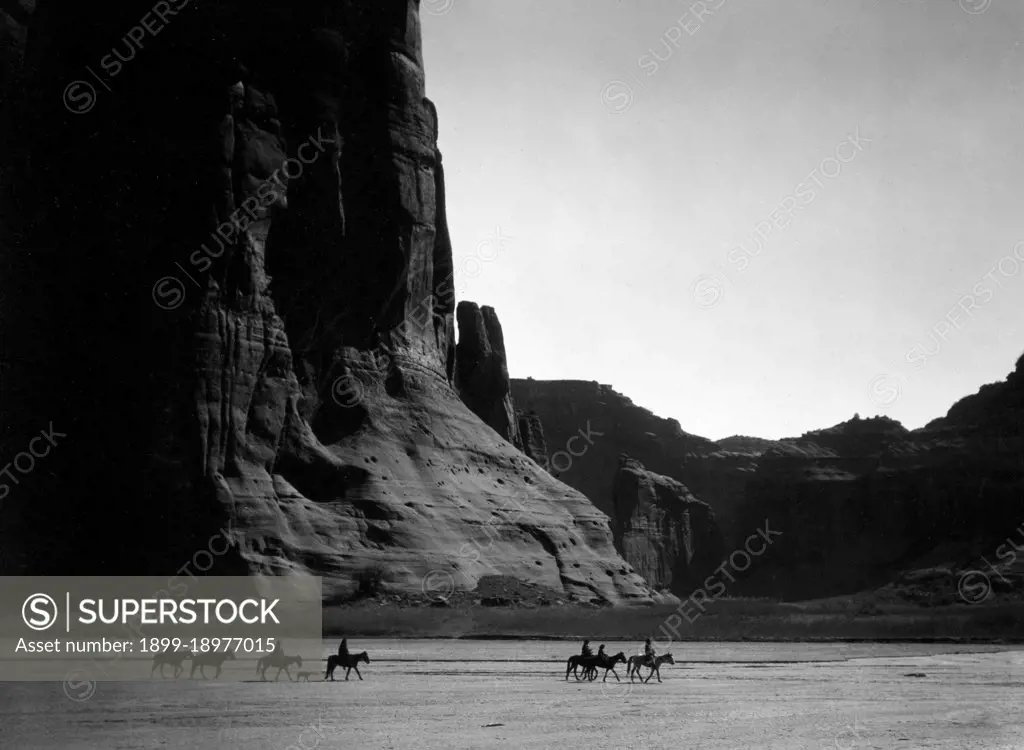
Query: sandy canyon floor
[[512, 694]]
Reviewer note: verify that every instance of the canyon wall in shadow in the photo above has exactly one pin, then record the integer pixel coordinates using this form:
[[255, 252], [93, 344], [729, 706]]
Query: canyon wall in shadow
[[227, 254]]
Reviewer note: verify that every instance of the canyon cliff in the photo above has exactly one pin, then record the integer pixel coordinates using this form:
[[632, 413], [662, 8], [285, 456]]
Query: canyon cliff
[[858, 504], [663, 531], [590, 427], [236, 252], [867, 500]]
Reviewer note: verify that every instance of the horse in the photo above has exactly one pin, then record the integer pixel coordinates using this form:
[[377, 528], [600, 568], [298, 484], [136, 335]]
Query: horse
[[349, 662], [574, 663], [591, 664], [210, 659], [278, 660], [633, 666], [635, 662], [174, 658]]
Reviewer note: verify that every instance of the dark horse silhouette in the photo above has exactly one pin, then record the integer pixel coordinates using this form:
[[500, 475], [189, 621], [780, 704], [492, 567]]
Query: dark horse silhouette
[[349, 662], [174, 658], [210, 659], [591, 664], [278, 660], [574, 663]]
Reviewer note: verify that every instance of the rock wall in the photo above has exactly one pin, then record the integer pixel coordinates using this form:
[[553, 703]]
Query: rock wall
[[531, 434], [857, 503], [664, 532], [481, 370], [588, 426], [241, 271], [866, 499]]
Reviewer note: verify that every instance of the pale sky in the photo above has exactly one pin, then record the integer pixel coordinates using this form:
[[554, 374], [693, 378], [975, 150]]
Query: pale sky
[[620, 205]]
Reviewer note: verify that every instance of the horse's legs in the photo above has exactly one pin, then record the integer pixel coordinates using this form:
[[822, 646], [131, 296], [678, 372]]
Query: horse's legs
[[357, 671], [290, 679], [614, 673], [348, 671]]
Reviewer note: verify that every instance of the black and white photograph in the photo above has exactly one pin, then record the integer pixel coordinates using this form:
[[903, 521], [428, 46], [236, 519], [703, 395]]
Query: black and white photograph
[[443, 374]]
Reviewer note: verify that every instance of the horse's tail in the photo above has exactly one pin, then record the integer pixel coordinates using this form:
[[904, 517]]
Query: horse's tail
[[258, 665], [569, 665]]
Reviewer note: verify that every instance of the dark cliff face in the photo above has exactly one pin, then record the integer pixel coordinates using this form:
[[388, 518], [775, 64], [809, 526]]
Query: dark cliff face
[[531, 433], [663, 531], [599, 425], [866, 499], [857, 502], [481, 370], [235, 250]]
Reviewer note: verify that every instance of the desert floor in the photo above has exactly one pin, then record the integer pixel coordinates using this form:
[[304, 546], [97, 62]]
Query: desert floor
[[512, 694]]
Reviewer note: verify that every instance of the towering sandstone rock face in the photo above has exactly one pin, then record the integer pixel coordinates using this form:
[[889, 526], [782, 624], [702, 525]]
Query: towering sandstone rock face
[[664, 532], [245, 290]]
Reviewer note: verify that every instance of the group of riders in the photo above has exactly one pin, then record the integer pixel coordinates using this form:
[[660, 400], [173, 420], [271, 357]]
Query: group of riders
[[591, 662], [649, 655], [650, 658]]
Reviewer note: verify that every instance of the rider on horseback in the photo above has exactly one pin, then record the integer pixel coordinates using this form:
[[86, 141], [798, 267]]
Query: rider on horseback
[[343, 649], [601, 653], [649, 655], [587, 650]]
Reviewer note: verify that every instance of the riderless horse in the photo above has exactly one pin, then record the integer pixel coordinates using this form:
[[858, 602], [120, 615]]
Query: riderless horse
[[279, 660], [210, 659], [635, 662], [349, 662], [174, 658]]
